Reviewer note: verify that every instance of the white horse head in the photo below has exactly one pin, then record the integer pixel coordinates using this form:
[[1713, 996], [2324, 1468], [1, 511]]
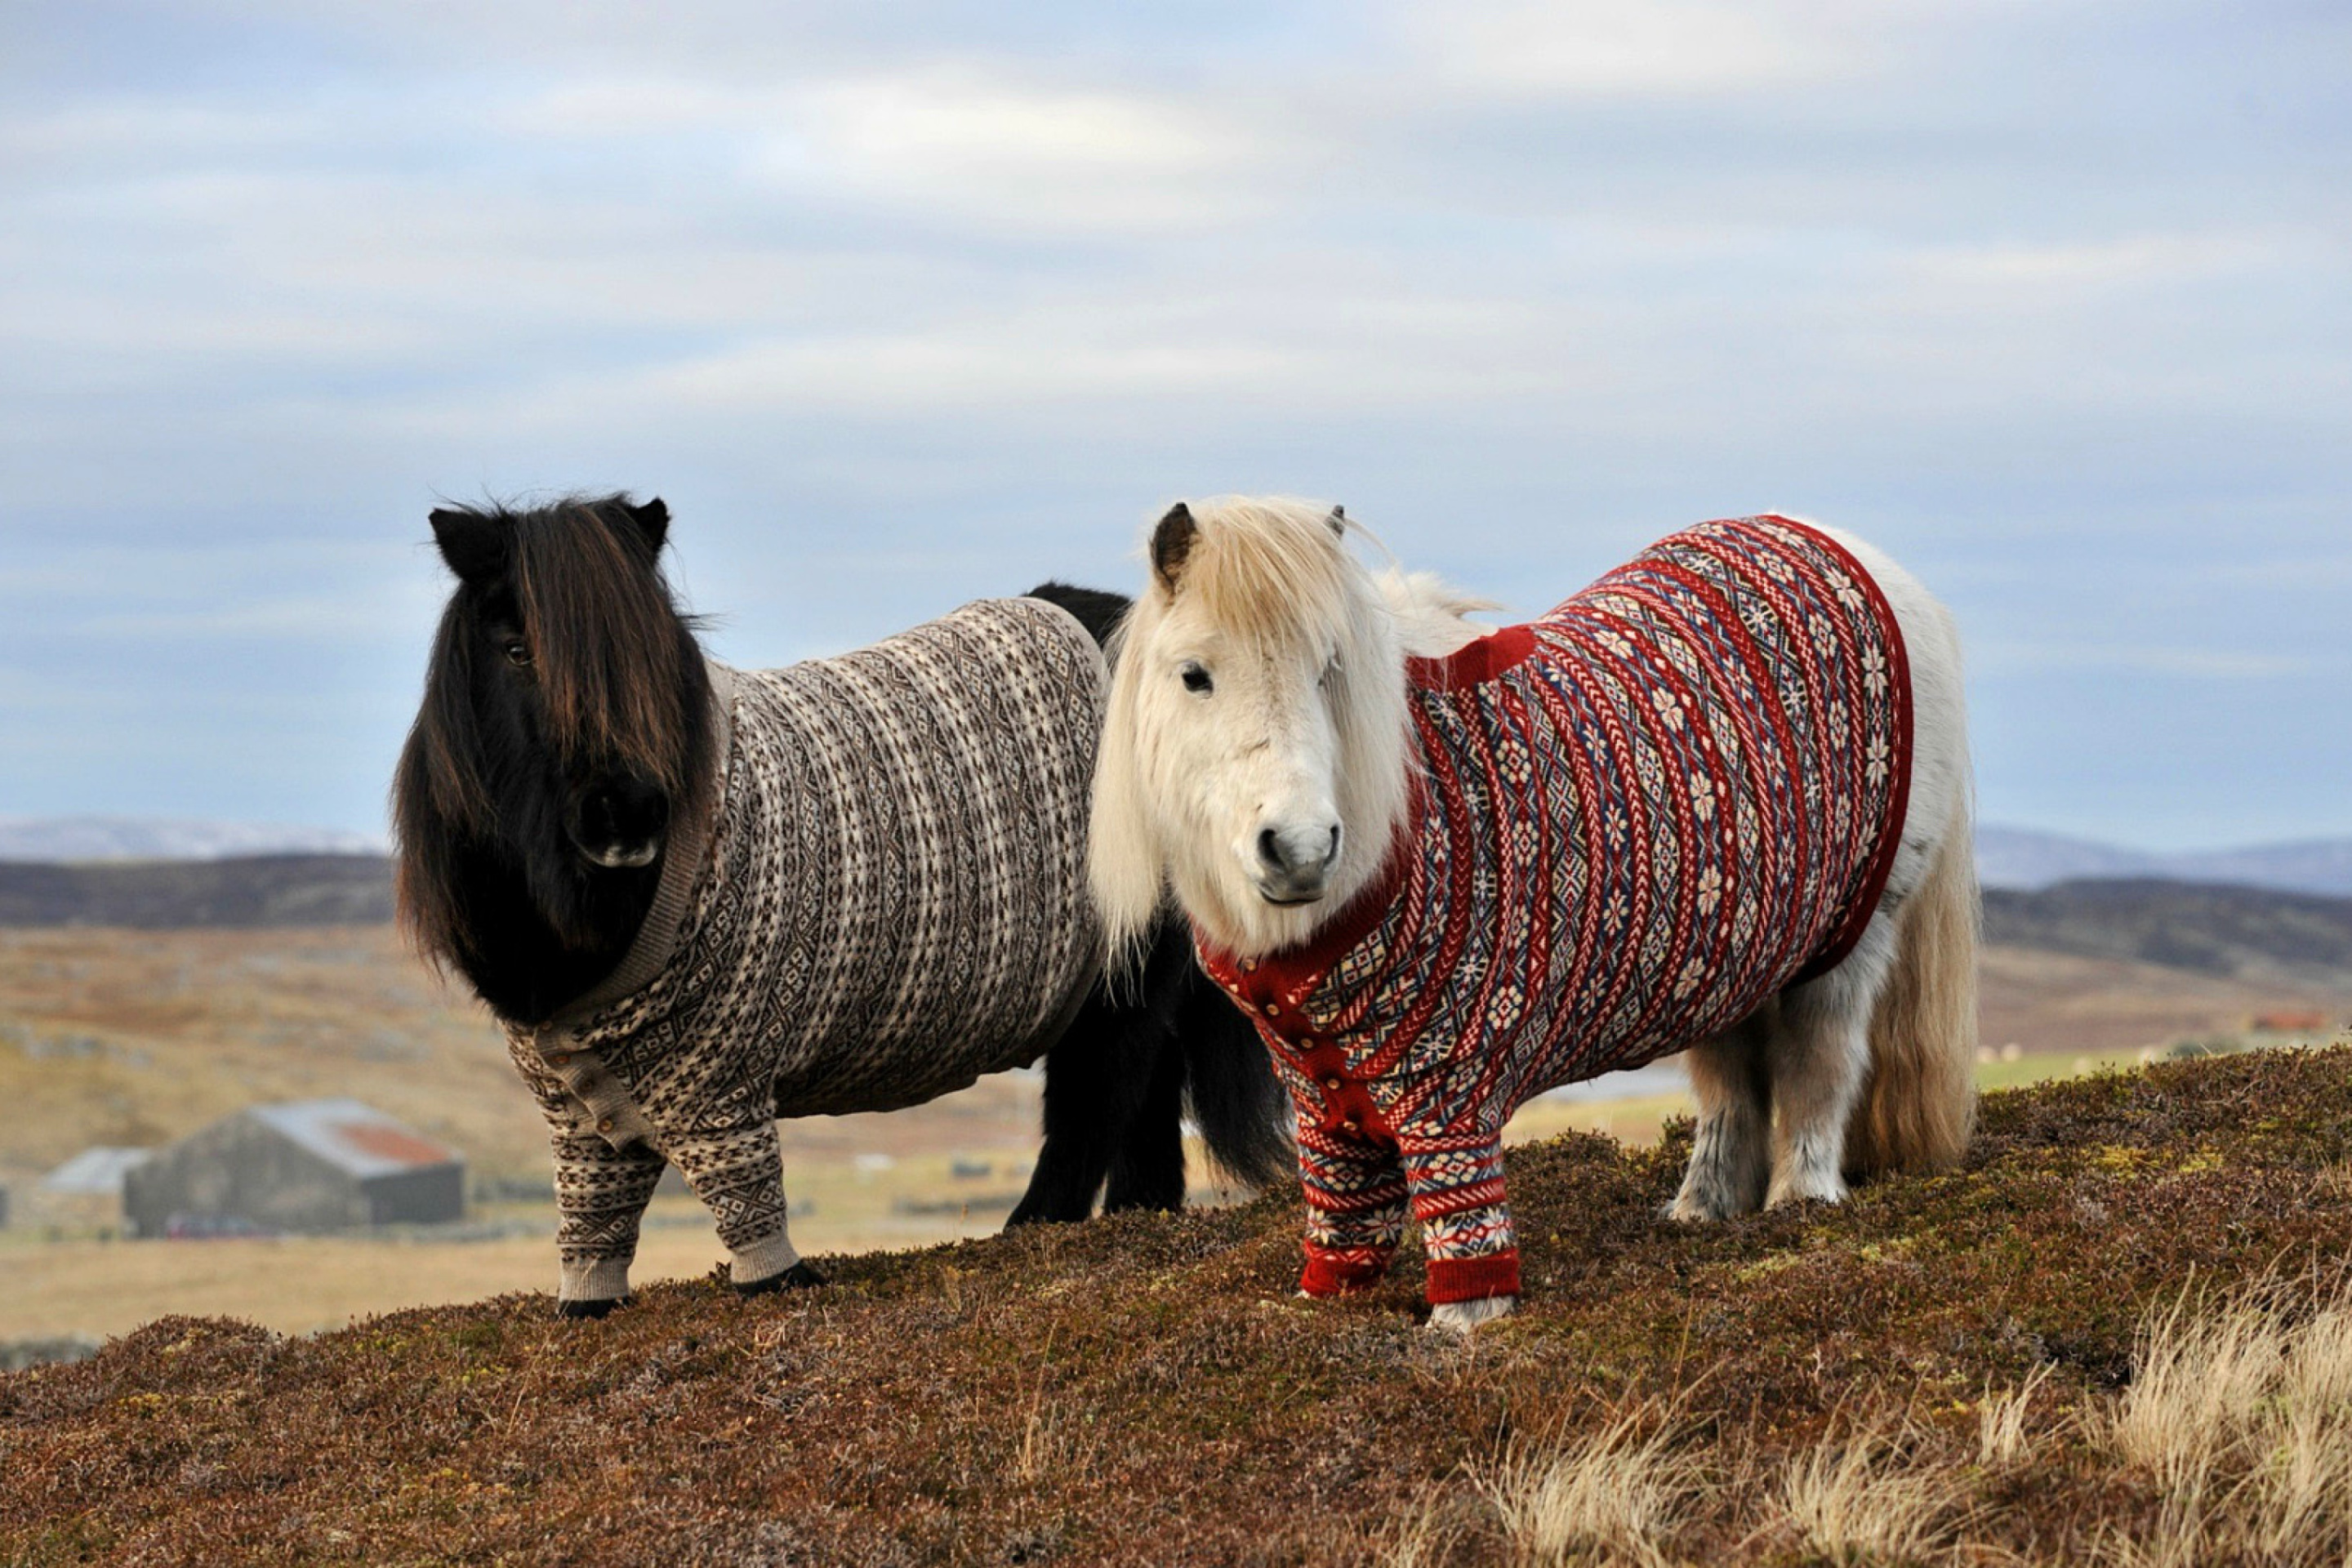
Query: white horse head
[[1256, 756]]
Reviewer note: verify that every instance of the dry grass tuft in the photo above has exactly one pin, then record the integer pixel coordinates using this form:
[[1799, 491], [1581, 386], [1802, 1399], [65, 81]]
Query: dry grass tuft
[[2242, 1414], [2001, 1437], [1859, 1500], [1614, 1496], [1429, 1535]]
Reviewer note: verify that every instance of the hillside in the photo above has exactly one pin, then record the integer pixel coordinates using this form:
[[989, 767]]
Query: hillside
[[2242, 934], [240, 892], [1146, 1389], [2024, 858], [169, 838]]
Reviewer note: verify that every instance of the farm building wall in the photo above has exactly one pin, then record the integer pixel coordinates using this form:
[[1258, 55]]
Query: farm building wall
[[245, 1169], [427, 1195]]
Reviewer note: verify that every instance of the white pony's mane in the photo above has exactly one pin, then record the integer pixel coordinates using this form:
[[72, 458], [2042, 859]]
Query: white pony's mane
[[1275, 575], [1431, 615]]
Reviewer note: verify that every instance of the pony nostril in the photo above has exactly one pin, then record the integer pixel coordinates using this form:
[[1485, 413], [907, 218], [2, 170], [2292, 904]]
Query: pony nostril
[[1269, 849], [1332, 854]]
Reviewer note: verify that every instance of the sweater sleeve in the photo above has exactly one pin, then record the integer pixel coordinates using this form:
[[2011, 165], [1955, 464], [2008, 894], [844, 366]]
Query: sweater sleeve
[[738, 1175], [1355, 1208], [601, 1193], [1456, 1182]]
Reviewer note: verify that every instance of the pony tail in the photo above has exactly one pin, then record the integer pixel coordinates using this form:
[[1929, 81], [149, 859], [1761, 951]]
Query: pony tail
[[1921, 1101], [1126, 866]]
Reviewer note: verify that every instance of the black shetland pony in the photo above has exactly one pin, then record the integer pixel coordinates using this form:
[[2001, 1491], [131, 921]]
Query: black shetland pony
[[566, 725]]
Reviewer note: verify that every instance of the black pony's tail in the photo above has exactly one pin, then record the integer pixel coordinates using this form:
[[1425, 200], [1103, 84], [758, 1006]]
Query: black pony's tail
[[1242, 1109]]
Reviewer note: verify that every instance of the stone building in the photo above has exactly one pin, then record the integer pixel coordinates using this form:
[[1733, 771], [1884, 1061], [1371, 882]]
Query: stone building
[[315, 1165]]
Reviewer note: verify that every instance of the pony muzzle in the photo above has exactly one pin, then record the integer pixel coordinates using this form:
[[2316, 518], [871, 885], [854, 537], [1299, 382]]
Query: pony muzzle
[[1294, 862], [618, 823]]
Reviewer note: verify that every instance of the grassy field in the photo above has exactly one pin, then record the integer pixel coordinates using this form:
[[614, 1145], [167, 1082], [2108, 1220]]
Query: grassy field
[[137, 1036], [2117, 1335]]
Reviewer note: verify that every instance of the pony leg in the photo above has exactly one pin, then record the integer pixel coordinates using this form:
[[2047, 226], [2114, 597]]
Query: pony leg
[[1100, 1081], [738, 1175], [1147, 1169], [1731, 1156], [601, 1195], [1456, 1184], [1818, 1061], [1084, 1072], [1356, 1196]]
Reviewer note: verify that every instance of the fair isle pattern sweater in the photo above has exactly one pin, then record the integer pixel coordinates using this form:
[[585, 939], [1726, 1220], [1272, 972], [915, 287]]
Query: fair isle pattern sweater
[[889, 900], [1641, 816]]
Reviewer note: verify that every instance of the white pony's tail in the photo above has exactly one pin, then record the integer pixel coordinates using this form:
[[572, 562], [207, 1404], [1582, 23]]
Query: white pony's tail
[[1921, 1102]]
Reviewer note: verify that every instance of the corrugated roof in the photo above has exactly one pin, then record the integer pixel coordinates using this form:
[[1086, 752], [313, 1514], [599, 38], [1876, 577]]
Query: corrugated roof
[[354, 1136], [97, 1171]]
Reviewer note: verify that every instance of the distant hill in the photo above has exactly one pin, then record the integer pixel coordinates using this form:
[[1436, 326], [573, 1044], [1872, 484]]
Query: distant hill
[[78, 838], [2244, 933], [251, 891], [2023, 858]]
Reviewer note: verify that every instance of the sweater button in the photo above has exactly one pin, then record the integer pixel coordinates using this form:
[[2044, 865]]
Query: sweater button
[[1352, 1125], [1272, 1009], [1332, 1084], [606, 1125], [561, 1059]]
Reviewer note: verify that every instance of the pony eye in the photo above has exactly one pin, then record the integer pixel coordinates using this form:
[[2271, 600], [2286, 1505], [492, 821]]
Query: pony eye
[[1197, 679], [518, 653]]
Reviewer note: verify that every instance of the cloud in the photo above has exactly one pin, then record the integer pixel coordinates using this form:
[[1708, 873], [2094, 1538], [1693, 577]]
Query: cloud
[[1596, 48]]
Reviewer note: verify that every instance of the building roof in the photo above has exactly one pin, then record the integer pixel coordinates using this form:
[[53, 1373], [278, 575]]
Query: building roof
[[353, 1137], [96, 1172]]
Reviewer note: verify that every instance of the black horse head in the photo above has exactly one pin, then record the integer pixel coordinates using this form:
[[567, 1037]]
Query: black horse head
[[565, 728]]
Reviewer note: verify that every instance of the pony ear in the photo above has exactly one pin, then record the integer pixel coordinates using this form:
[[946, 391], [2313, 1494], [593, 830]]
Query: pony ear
[[653, 521], [1171, 544], [1338, 520], [475, 546]]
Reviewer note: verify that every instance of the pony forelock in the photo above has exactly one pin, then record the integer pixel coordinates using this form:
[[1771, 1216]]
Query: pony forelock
[[604, 631]]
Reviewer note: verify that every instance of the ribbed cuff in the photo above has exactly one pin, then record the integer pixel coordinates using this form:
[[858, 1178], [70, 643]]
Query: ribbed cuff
[[605, 1280], [1474, 1278], [1339, 1273], [761, 1259]]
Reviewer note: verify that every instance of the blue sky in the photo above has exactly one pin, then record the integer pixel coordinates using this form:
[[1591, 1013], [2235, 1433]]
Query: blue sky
[[901, 304]]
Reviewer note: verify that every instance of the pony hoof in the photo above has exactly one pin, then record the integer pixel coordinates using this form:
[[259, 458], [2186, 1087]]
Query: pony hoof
[[1831, 1190], [798, 1277], [1463, 1317], [589, 1309]]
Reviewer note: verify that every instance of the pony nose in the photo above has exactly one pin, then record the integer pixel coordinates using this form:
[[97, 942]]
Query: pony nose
[[619, 821], [1296, 857]]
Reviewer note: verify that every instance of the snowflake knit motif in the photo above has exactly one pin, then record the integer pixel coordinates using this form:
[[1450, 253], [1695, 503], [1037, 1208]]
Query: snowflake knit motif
[[1637, 819]]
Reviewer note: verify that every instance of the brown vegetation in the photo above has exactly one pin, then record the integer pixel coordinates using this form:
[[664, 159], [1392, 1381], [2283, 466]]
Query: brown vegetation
[[1991, 1364]]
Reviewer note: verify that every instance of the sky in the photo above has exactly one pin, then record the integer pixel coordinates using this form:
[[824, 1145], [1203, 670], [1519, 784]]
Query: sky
[[900, 305]]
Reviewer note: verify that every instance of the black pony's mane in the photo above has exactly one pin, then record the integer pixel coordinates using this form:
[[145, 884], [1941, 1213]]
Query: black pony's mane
[[617, 682]]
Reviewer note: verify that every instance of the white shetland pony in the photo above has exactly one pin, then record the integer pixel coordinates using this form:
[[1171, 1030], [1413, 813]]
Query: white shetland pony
[[1295, 748]]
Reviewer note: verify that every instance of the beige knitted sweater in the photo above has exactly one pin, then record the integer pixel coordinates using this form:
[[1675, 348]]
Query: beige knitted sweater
[[888, 900]]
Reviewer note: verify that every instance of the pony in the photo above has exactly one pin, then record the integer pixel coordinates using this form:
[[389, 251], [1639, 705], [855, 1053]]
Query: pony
[[554, 804], [1718, 803]]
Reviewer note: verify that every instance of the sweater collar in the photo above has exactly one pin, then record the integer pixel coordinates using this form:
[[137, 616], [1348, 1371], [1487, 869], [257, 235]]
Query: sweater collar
[[1273, 990]]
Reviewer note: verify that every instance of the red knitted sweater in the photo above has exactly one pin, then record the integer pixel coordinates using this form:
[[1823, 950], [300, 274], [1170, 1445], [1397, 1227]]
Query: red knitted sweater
[[1641, 816]]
